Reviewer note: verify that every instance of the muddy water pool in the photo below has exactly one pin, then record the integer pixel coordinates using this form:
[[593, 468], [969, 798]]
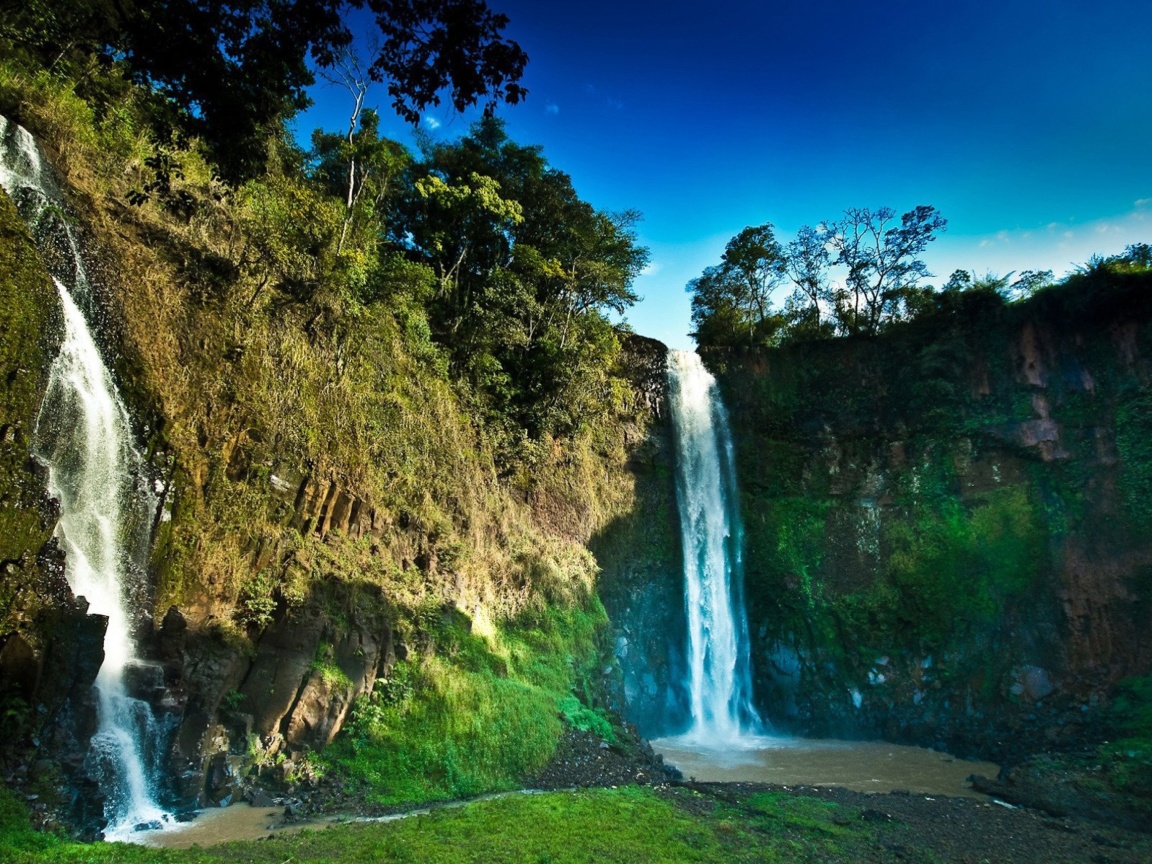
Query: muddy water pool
[[862, 766]]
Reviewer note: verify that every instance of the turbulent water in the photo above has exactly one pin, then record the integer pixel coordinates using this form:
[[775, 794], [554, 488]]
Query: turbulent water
[[83, 437], [719, 674]]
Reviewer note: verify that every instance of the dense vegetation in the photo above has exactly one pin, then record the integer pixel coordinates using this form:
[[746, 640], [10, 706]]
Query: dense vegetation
[[856, 276], [425, 333]]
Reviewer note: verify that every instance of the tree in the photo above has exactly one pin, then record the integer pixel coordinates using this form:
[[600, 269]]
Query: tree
[[807, 263], [459, 215], [882, 263], [732, 302], [524, 304], [234, 69], [359, 167], [454, 45]]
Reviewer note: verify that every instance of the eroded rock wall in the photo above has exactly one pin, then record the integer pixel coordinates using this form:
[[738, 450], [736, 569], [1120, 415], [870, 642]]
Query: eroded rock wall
[[947, 527], [641, 580]]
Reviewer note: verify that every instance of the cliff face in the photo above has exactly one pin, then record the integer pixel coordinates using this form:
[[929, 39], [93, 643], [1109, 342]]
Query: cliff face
[[642, 575], [50, 648], [947, 526], [332, 523]]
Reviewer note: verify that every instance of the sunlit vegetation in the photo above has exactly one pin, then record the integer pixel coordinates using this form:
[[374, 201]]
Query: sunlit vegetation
[[624, 825], [481, 713], [856, 276], [427, 331]]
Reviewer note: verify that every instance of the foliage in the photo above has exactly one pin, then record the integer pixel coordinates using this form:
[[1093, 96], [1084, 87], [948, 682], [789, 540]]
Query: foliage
[[232, 70], [527, 274], [257, 601], [579, 716], [731, 302], [478, 714], [882, 263]]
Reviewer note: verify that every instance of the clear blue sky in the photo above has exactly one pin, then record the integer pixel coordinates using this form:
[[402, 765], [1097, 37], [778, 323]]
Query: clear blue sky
[[1026, 123]]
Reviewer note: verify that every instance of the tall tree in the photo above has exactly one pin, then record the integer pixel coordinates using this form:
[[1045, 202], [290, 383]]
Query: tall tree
[[807, 262], [732, 302], [882, 263], [524, 311]]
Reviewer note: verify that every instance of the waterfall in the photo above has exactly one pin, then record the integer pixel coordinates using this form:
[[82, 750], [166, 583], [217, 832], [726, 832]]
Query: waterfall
[[84, 438], [719, 670]]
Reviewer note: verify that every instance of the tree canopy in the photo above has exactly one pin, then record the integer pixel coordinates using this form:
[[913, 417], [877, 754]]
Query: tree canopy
[[877, 258], [526, 271], [732, 301], [232, 70]]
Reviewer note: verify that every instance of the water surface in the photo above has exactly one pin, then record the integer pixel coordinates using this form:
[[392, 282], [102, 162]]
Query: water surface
[[862, 766]]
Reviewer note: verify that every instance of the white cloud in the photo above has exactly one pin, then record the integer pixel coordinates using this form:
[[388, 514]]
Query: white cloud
[[431, 122], [1060, 247]]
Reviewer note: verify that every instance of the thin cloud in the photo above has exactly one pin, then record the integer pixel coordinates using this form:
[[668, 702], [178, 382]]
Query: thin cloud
[[431, 122], [551, 108], [1142, 202]]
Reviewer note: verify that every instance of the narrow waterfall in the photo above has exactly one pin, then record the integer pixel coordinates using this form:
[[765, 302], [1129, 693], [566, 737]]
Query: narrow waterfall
[[83, 437], [720, 680]]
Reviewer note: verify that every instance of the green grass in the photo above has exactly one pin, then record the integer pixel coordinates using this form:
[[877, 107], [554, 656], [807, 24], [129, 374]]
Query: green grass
[[477, 713], [629, 826]]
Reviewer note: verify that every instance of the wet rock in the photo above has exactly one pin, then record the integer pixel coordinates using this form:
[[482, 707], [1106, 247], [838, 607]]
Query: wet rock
[[257, 797]]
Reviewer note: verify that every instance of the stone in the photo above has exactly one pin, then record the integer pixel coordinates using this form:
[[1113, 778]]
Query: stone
[[257, 797]]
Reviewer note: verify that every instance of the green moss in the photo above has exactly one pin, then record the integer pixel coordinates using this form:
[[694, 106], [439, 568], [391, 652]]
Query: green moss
[[479, 714], [28, 310], [1134, 447], [951, 567]]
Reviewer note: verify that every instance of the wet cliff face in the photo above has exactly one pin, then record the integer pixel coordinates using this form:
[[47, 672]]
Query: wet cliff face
[[50, 648], [326, 502], [947, 526], [642, 580]]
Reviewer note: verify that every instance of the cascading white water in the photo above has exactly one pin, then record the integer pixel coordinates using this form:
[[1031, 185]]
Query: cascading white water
[[83, 437], [720, 680]]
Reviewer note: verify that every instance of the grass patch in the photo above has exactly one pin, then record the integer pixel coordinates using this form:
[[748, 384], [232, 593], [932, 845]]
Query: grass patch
[[629, 826], [476, 713]]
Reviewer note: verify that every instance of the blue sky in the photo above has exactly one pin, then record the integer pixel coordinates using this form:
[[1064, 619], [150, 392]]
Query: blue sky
[[1027, 124]]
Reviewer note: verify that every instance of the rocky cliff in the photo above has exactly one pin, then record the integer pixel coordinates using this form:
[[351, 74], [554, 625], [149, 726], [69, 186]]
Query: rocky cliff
[[335, 544], [947, 526], [639, 553]]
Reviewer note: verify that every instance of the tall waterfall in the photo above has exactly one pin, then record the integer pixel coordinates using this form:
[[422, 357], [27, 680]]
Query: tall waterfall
[[83, 437], [720, 680]]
